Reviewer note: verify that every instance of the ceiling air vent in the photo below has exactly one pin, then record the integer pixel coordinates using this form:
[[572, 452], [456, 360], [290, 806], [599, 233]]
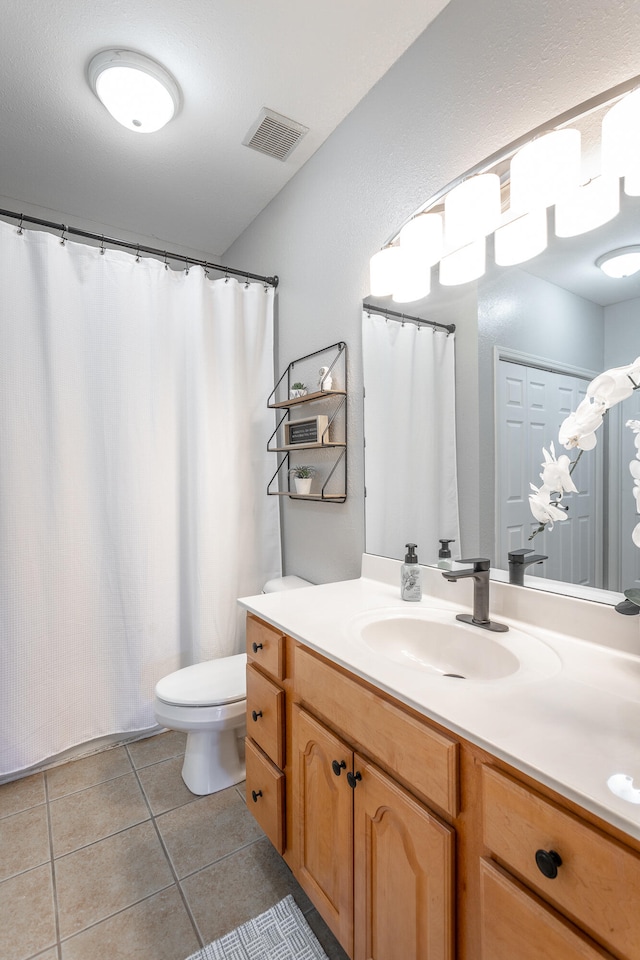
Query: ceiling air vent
[[275, 135]]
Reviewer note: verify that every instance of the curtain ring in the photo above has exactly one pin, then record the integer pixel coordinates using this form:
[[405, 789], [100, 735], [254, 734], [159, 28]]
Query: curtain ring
[[102, 246], [166, 264], [138, 253], [186, 268], [246, 286], [226, 276], [63, 239], [20, 230], [206, 270]]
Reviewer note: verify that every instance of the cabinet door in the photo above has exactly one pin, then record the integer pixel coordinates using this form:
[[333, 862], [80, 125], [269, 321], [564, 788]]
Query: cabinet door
[[403, 873], [517, 924], [323, 823]]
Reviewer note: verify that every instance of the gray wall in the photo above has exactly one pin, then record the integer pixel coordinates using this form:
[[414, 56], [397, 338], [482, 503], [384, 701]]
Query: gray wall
[[480, 75]]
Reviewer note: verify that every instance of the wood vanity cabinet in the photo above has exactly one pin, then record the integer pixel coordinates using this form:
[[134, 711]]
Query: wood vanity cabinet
[[551, 880], [265, 745], [415, 844], [377, 862]]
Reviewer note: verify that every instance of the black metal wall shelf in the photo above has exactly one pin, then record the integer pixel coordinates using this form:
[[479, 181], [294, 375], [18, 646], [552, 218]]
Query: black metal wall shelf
[[331, 427]]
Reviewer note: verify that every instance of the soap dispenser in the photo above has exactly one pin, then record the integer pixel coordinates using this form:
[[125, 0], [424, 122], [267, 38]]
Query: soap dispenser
[[444, 555], [410, 577]]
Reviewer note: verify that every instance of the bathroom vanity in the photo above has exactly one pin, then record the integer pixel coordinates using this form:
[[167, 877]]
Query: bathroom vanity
[[435, 817]]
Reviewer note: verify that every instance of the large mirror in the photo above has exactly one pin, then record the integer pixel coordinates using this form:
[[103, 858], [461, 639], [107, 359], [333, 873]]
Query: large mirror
[[528, 340]]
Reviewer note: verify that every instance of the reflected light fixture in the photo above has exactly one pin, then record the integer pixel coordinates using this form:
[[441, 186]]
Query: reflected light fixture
[[138, 92], [472, 210], [521, 239], [588, 206], [620, 263], [621, 137], [464, 265]]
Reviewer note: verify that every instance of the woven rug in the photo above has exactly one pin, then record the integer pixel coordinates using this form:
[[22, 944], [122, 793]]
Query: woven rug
[[280, 933]]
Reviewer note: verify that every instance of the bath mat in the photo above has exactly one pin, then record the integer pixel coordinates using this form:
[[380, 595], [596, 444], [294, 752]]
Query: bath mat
[[280, 933]]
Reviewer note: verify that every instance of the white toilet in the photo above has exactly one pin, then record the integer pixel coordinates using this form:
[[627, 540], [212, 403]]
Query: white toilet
[[208, 702]]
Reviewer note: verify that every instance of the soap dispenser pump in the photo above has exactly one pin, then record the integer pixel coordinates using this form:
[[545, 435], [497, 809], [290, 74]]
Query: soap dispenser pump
[[444, 555], [410, 585]]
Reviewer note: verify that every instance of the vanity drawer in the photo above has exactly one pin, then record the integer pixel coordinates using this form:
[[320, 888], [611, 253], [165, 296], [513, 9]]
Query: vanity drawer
[[516, 923], [424, 759], [265, 794], [265, 714], [598, 881], [265, 646]]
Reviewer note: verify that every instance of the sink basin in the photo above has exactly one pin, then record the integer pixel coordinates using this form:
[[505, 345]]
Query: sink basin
[[434, 643]]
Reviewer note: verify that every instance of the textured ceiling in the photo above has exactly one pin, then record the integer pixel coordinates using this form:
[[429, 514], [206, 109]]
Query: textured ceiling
[[192, 184]]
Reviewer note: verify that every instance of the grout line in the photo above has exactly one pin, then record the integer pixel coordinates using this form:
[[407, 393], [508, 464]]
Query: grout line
[[53, 869], [170, 862], [225, 856]]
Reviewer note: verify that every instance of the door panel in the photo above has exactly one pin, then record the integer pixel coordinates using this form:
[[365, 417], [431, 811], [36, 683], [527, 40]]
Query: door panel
[[324, 823], [403, 876]]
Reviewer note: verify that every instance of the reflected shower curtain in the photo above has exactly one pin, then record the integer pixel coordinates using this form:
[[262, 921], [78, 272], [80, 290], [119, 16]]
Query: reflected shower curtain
[[410, 452], [133, 472]]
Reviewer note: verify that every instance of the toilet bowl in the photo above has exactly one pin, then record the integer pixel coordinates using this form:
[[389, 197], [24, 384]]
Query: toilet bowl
[[207, 701]]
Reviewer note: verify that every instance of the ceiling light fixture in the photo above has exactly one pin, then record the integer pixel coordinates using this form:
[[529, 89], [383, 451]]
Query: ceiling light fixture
[[137, 91], [620, 263]]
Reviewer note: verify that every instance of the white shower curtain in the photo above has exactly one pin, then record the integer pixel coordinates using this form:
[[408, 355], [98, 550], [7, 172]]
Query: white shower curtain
[[133, 475], [410, 452]]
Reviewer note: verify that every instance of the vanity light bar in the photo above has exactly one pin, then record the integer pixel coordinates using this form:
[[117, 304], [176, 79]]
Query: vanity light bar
[[544, 171]]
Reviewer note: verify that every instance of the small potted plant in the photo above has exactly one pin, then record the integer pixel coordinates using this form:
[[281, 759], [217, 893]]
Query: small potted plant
[[297, 390], [302, 475]]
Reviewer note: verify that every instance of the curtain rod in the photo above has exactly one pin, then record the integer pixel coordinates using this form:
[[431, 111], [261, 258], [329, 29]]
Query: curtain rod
[[369, 307], [138, 247]]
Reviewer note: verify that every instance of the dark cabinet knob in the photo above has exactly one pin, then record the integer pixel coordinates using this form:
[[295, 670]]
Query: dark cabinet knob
[[256, 646], [337, 767], [256, 795], [548, 862], [352, 778], [255, 714]]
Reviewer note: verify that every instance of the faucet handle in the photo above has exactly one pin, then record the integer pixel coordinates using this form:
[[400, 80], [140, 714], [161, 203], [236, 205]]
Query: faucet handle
[[517, 556], [480, 564]]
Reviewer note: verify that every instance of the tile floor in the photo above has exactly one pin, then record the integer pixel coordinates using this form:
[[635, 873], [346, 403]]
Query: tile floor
[[111, 856]]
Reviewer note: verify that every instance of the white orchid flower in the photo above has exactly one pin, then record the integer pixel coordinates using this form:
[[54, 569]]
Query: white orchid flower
[[556, 472], [613, 385], [636, 493], [578, 429], [543, 508], [635, 536], [634, 469], [635, 426]]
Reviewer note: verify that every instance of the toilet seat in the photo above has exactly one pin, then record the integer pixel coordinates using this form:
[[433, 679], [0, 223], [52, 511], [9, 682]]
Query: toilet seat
[[214, 682]]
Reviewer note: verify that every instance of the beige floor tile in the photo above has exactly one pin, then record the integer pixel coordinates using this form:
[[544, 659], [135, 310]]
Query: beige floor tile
[[108, 876], [24, 841], [21, 794], [79, 774], [240, 887], [201, 832], [51, 954], [27, 922], [164, 786], [97, 812], [158, 929], [154, 749]]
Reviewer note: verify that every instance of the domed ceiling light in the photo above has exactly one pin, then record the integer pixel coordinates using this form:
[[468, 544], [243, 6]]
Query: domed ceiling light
[[137, 91], [620, 263]]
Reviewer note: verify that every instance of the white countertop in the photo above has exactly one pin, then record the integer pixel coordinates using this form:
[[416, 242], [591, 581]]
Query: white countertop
[[572, 730]]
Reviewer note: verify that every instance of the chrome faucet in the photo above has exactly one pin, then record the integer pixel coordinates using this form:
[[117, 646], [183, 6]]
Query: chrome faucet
[[480, 574], [518, 560]]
